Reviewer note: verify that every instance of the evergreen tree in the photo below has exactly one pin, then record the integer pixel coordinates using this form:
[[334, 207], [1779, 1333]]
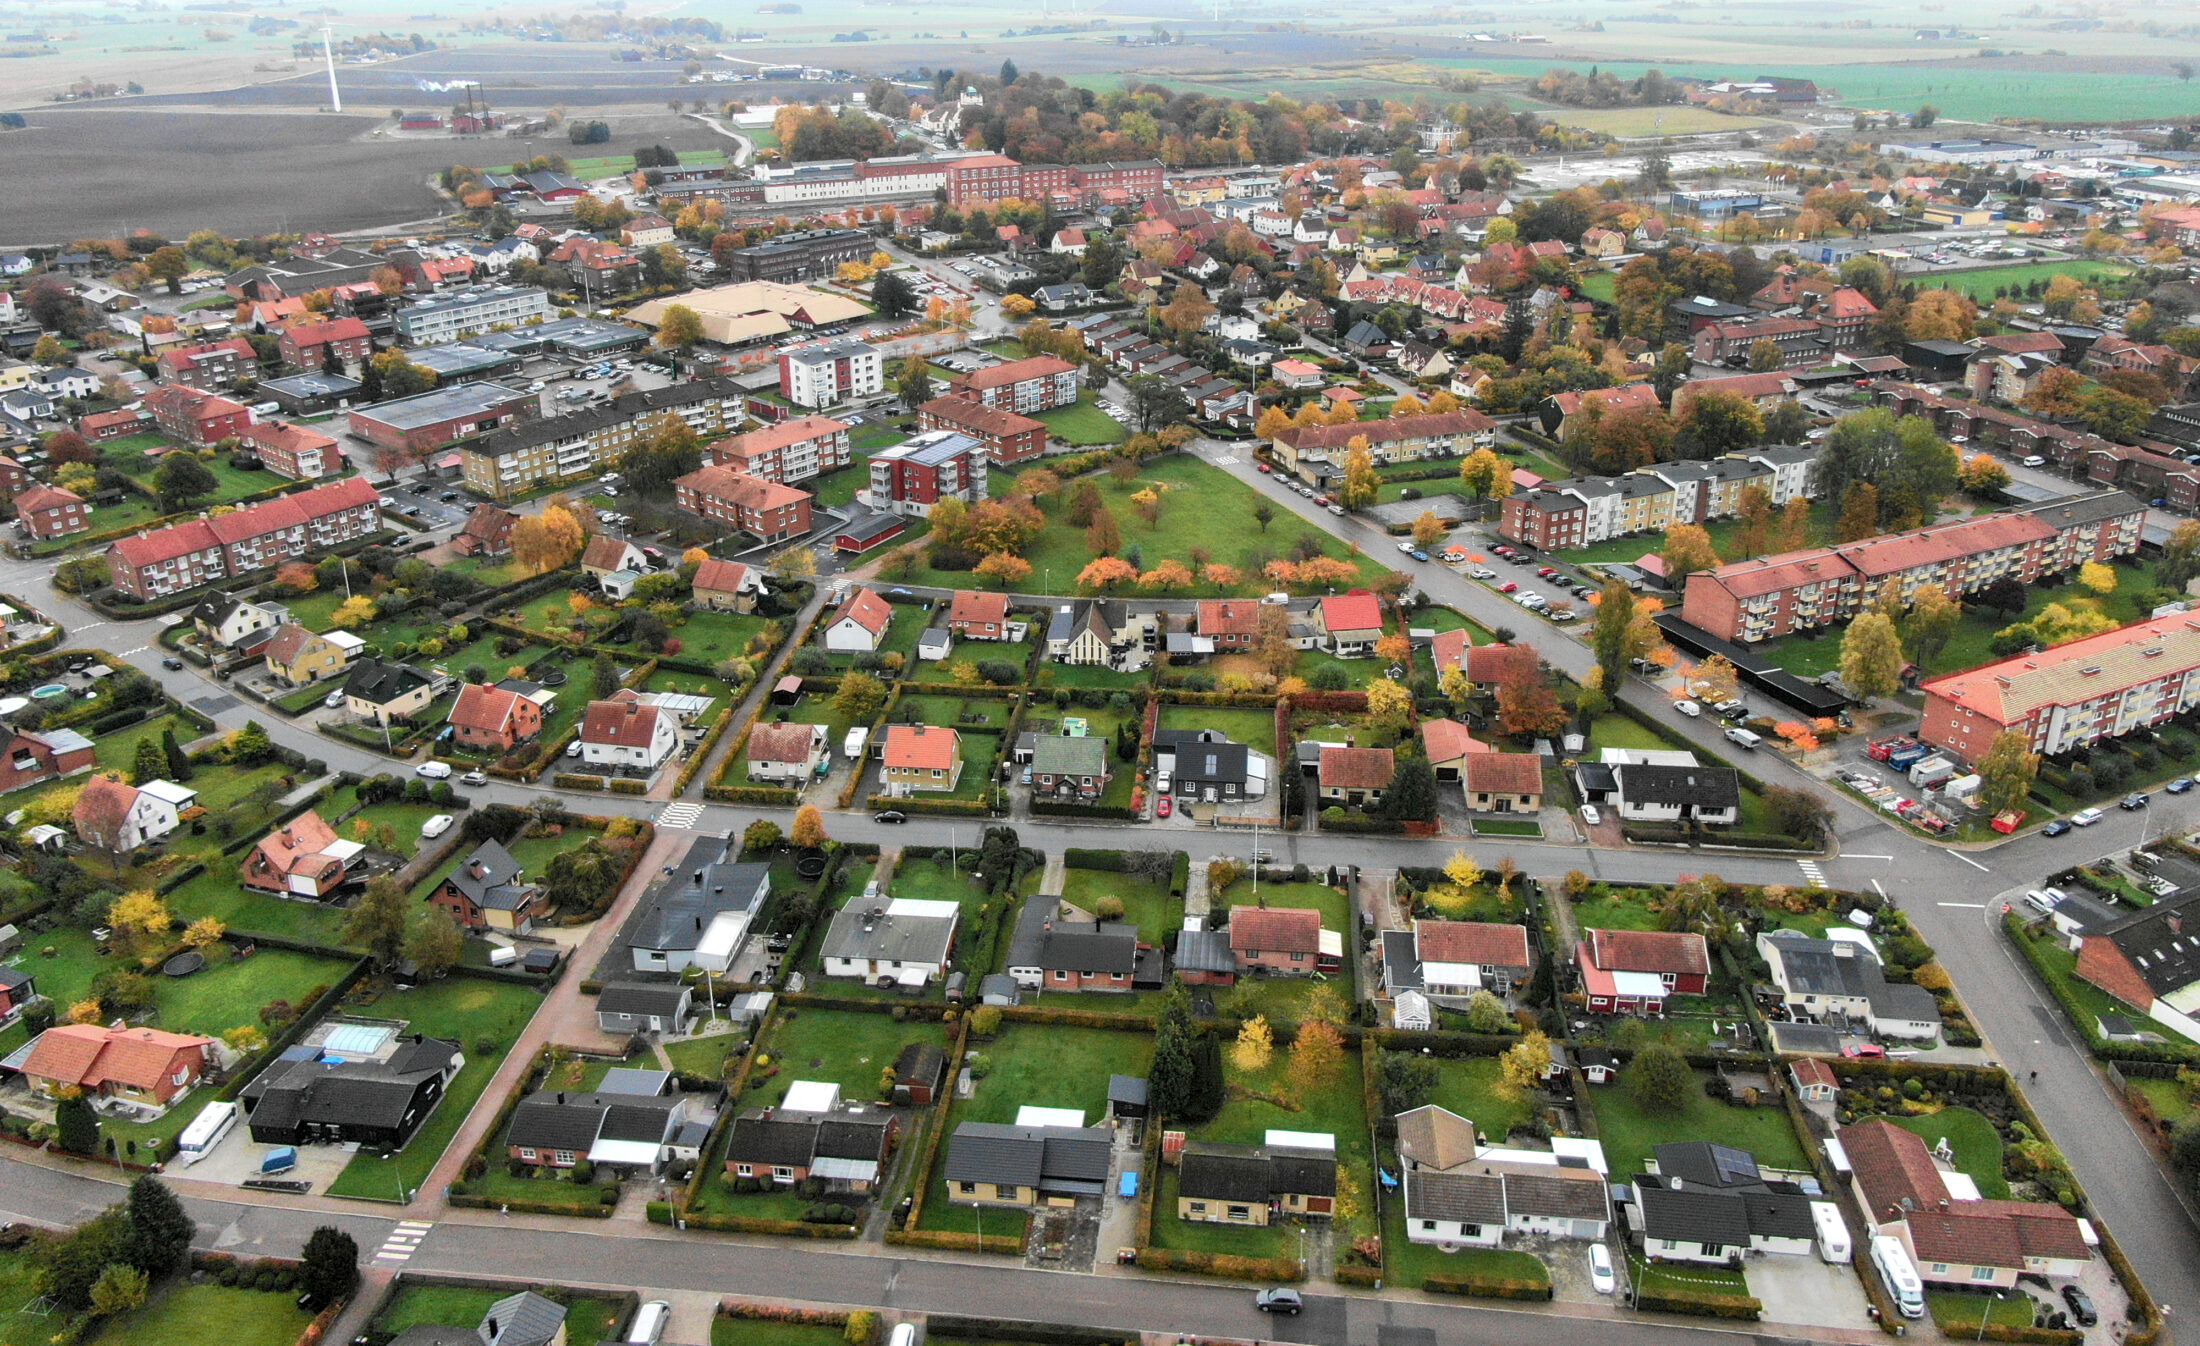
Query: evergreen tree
[[330, 1268], [151, 761], [1207, 1096], [179, 761], [76, 1127], [1412, 795], [74, 1265], [603, 677], [160, 1231]]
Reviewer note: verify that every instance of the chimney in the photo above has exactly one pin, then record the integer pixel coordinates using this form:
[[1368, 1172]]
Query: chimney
[[2176, 923], [561, 1097]]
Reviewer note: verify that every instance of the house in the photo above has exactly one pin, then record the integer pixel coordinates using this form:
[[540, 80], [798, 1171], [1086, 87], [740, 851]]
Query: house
[[2146, 959], [1559, 408], [1503, 782], [787, 752], [488, 892], [487, 717], [1355, 776], [1448, 961], [1050, 953], [896, 941], [487, 534], [558, 1129], [1352, 623], [145, 1067], [117, 818], [528, 1319], [1069, 767], [1634, 971], [1098, 632], [1204, 766], [1646, 792], [860, 623], [700, 915], [727, 586], [1284, 939], [233, 623], [765, 510], [1839, 981], [1255, 1184], [37, 757], [624, 1008], [1296, 375], [338, 1098], [1447, 744], [47, 512], [299, 656], [606, 555], [1712, 1204], [1460, 1189], [1001, 1164], [1952, 1235], [921, 757], [844, 1150], [625, 734], [974, 615], [382, 692], [17, 989], [301, 859], [920, 1071], [1232, 624], [1814, 1080]]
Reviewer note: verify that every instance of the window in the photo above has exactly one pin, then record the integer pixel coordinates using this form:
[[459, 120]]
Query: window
[[744, 1170], [1428, 1226], [526, 1153], [1199, 1208], [968, 1188], [563, 1157], [782, 1171]]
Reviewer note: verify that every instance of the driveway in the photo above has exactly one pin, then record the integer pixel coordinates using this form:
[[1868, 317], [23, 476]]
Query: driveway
[[1810, 1291]]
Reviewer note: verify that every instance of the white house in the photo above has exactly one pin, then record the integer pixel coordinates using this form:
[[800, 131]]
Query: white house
[[1460, 1190], [896, 941], [145, 813], [625, 733], [860, 624], [1839, 980]]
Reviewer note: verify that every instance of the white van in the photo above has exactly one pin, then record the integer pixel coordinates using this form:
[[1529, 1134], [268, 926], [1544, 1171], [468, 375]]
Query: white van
[[1833, 1232], [1275, 600], [433, 770], [649, 1323], [1903, 1284], [905, 1334], [436, 826], [2039, 901], [1748, 738], [205, 1132]]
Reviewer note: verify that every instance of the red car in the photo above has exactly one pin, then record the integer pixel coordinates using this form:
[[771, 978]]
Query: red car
[[1162, 806], [1508, 587], [1263, 467], [1321, 499], [1864, 1051]]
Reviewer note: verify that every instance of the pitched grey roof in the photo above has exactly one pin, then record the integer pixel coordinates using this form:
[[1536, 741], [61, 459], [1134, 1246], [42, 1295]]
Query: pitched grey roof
[[1401, 961], [1044, 942], [354, 1093], [2154, 940], [1703, 787], [379, 683], [1474, 1198], [1061, 1160], [1061, 754], [705, 885], [1204, 951], [524, 1319], [626, 997], [558, 1120], [488, 877]]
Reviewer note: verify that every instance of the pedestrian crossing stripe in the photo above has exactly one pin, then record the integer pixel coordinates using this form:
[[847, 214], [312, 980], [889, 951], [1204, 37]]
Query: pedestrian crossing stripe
[[679, 815], [403, 1241], [1812, 872]]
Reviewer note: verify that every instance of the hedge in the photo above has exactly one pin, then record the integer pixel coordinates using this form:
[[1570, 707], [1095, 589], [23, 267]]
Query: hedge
[[623, 786], [1361, 1276], [2044, 1336], [953, 808], [703, 749], [1077, 857], [659, 1212], [750, 1224], [571, 780], [1359, 823], [1481, 1285], [591, 1208], [1698, 1305], [948, 1238], [1223, 1264], [1002, 1329], [1052, 808], [763, 796]]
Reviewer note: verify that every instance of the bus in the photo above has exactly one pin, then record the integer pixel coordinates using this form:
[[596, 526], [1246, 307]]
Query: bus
[[205, 1132]]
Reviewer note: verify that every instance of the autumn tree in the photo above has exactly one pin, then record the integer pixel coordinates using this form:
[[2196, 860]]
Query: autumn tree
[[1187, 310], [1521, 1069], [2097, 576], [808, 831], [378, 920], [1316, 1052], [1859, 518], [1716, 680], [1003, 569], [678, 328], [1480, 471], [1981, 475], [1169, 575], [1255, 1046], [1687, 549], [1360, 481], [433, 941], [859, 698], [1940, 315], [1389, 704], [1608, 634], [1871, 657], [1107, 573], [1527, 705], [2006, 772], [1930, 622], [1427, 529], [544, 542]]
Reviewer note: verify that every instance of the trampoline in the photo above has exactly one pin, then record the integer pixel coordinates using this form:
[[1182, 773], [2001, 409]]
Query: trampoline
[[12, 704], [183, 964]]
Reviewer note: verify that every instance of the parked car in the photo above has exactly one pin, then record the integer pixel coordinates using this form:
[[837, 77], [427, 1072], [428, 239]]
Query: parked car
[[333, 699], [1406, 548], [1321, 499], [573, 749], [172, 665], [2056, 828], [1482, 573], [2179, 786], [2035, 461], [1688, 708], [2081, 1305], [1263, 468], [436, 826], [1863, 1051], [2085, 817], [1335, 509], [1590, 815], [1508, 587], [474, 778], [433, 770], [1600, 1270], [2137, 799], [1279, 1300], [1419, 555], [1163, 806], [890, 816]]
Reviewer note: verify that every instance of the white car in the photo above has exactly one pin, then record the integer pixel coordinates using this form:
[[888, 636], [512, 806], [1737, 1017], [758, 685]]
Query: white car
[[436, 826], [333, 699], [1590, 815], [1406, 547], [2085, 817], [1688, 708], [1482, 573], [433, 770], [1600, 1269]]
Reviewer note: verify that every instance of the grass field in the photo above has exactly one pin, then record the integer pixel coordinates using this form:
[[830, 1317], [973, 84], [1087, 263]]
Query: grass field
[[1960, 1315], [1146, 904], [1627, 123], [1201, 506], [1972, 1138], [1084, 423], [1630, 1132], [838, 1047], [209, 1313], [1982, 284]]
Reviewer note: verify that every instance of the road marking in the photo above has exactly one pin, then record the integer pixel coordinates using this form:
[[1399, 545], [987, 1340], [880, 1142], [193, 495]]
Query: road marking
[[403, 1241], [679, 815], [1972, 863], [1812, 872], [139, 650], [1881, 891], [1846, 856], [1973, 906]]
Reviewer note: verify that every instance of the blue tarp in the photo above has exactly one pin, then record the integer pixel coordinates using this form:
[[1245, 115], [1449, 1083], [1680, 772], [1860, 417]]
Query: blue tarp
[[1129, 1185]]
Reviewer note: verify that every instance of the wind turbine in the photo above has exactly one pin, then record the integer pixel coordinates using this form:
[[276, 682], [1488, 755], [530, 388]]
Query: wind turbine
[[328, 53]]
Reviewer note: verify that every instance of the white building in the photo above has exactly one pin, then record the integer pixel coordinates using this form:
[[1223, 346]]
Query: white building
[[625, 733], [824, 373], [897, 941], [471, 312]]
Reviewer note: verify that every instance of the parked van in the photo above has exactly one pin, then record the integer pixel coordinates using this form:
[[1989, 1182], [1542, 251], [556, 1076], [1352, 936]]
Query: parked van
[[905, 1334], [2040, 902], [1747, 738], [1275, 600], [1833, 1232], [649, 1323], [1895, 1269]]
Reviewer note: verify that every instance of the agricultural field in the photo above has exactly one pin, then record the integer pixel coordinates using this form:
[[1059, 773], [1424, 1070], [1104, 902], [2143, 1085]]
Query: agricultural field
[[1982, 284]]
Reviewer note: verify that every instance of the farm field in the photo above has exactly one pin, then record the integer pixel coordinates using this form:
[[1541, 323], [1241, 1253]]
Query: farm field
[[1981, 284]]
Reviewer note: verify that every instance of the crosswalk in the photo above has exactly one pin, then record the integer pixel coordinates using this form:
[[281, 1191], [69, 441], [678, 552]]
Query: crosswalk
[[1811, 872], [139, 650], [403, 1242], [679, 815]]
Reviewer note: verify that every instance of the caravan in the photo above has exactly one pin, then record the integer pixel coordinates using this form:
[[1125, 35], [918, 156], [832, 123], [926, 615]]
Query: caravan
[[205, 1132], [1903, 1285], [1833, 1232]]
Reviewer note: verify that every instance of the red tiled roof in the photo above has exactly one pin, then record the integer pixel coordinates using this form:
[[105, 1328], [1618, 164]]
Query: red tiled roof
[[1505, 773], [303, 836], [1445, 740], [319, 333], [45, 497], [1358, 768], [799, 430], [994, 422], [1631, 398], [1228, 617], [1649, 951], [166, 544], [740, 488], [1478, 942], [977, 608], [720, 577], [92, 1055], [1448, 650], [1358, 610], [605, 552], [188, 356], [485, 708], [619, 723], [1016, 371], [788, 742], [291, 640], [1275, 929], [1490, 664], [288, 437], [1811, 1071], [1929, 546], [1788, 570], [867, 610], [921, 747]]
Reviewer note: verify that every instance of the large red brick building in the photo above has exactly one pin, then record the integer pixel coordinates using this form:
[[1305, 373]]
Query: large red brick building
[[2070, 696], [293, 451], [1007, 436], [218, 364], [182, 556], [50, 512], [1040, 383], [996, 177], [194, 416], [913, 476], [306, 344], [790, 451], [765, 510]]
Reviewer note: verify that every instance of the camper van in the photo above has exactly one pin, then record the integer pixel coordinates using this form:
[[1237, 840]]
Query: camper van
[[1833, 1232], [1837, 1158], [649, 1323], [1894, 1266], [205, 1132]]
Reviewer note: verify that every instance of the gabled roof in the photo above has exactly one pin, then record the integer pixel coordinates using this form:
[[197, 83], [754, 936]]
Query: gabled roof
[[1449, 740], [606, 552], [867, 610], [1435, 1137], [291, 640], [378, 683], [725, 577], [93, 1055], [1511, 773], [1357, 768], [1017, 371], [1228, 617], [1491, 664], [620, 723], [1275, 929], [1061, 754], [1358, 610], [1051, 1159], [485, 708], [1679, 952], [789, 742], [1703, 787], [1482, 943], [919, 747], [977, 607]]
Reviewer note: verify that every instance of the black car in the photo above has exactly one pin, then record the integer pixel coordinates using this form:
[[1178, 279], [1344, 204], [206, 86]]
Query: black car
[[172, 665], [890, 816], [2056, 828], [2081, 1306], [2137, 799]]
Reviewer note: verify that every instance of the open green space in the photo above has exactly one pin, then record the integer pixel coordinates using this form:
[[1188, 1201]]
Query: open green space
[[1971, 1138], [1084, 423], [707, 637], [1474, 1088], [1683, 1278], [1253, 727], [1202, 507], [1269, 1099], [844, 1047], [1630, 1132], [1409, 1264], [208, 1313], [1959, 1314], [2166, 1097], [753, 1332], [461, 1306], [1605, 907], [1146, 904], [484, 1018], [1983, 283], [704, 1056]]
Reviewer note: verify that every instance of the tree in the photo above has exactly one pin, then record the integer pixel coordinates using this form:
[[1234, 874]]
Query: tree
[[1263, 514], [859, 698], [329, 1266], [1687, 549], [1859, 517], [1480, 471], [1520, 1069], [1169, 1079], [182, 478], [1412, 794], [119, 1289], [1716, 680], [678, 328], [809, 828], [434, 943], [1004, 569], [603, 676], [2006, 772], [1255, 1045], [1717, 423], [140, 916], [377, 921], [1765, 356], [544, 542], [1931, 621], [1388, 704], [76, 1126], [1107, 573], [893, 295], [2180, 561], [1940, 315], [1360, 481], [1427, 529], [1187, 310], [1486, 1014], [1526, 705], [1659, 1078], [1871, 657], [1405, 1080], [914, 386], [169, 266], [1316, 1052], [1155, 402], [1981, 475], [2098, 577], [160, 1231], [1608, 634]]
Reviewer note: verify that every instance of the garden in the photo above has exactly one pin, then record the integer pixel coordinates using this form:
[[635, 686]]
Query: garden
[[587, 1318], [1283, 998], [1633, 1118], [231, 1315]]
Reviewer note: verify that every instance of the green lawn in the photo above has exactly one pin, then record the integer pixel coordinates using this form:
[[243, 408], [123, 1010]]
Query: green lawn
[[209, 1313], [1607, 908], [484, 1018], [706, 1056], [1146, 904], [707, 637], [1084, 423], [236, 482], [1960, 1315], [1265, 1100], [2166, 1097], [947, 878], [1982, 283], [1977, 1146], [1630, 1132], [842, 1047], [1724, 534], [1090, 675], [461, 1306], [1473, 1087], [1238, 1240], [19, 1274], [1202, 507], [751, 1332], [1254, 728], [1683, 1278], [1408, 1264]]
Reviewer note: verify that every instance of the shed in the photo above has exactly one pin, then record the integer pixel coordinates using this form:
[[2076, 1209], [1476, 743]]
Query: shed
[[1126, 1097], [935, 644], [11, 939], [999, 988], [787, 691]]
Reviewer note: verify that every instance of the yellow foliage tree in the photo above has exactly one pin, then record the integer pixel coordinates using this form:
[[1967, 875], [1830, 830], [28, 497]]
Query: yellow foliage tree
[[543, 542], [203, 932], [1388, 703], [2098, 577], [1521, 1067], [140, 914], [1255, 1046], [356, 610]]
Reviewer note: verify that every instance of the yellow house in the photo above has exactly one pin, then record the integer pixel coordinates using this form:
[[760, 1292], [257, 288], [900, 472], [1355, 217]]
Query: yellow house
[[299, 656], [1004, 1164], [1255, 1184], [921, 757], [15, 374]]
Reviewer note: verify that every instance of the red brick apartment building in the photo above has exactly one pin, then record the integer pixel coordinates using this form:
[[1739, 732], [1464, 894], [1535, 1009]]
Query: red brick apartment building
[[101, 426], [1008, 437], [305, 344], [996, 177], [1040, 383], [50, 512], [293, 451], [2072, 695], [917, 474], [765, 510], [194, 416], [217, 364], [185, 555], [2147, 469], [1773, 596], [790, 451]]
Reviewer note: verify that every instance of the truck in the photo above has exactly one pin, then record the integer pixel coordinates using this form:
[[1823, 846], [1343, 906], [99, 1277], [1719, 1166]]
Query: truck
[[1903, 758], [1929, 773], [1881, 749]]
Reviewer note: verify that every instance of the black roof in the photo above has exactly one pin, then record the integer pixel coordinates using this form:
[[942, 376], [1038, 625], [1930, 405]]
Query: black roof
[[920, 1063], [1706, 1164], [787, 1141], [1127, 1089], [1044, 942], [488, 878], [379, 683], [628, 997], [1474, 1198], [1703, 787], [1692, 1215], [704, 885], [1204, 951], [1213, 1171], [2155, 941], [621, 409], [558, 1120], [1060, 1159], [1401, 961], [1219, 763], [355, 1093]]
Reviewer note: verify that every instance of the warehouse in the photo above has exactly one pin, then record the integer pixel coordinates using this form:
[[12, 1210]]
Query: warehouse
[[442, 416]]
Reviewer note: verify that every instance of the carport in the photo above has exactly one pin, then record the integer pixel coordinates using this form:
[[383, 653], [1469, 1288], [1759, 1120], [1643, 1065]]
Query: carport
[[1756, 670]]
